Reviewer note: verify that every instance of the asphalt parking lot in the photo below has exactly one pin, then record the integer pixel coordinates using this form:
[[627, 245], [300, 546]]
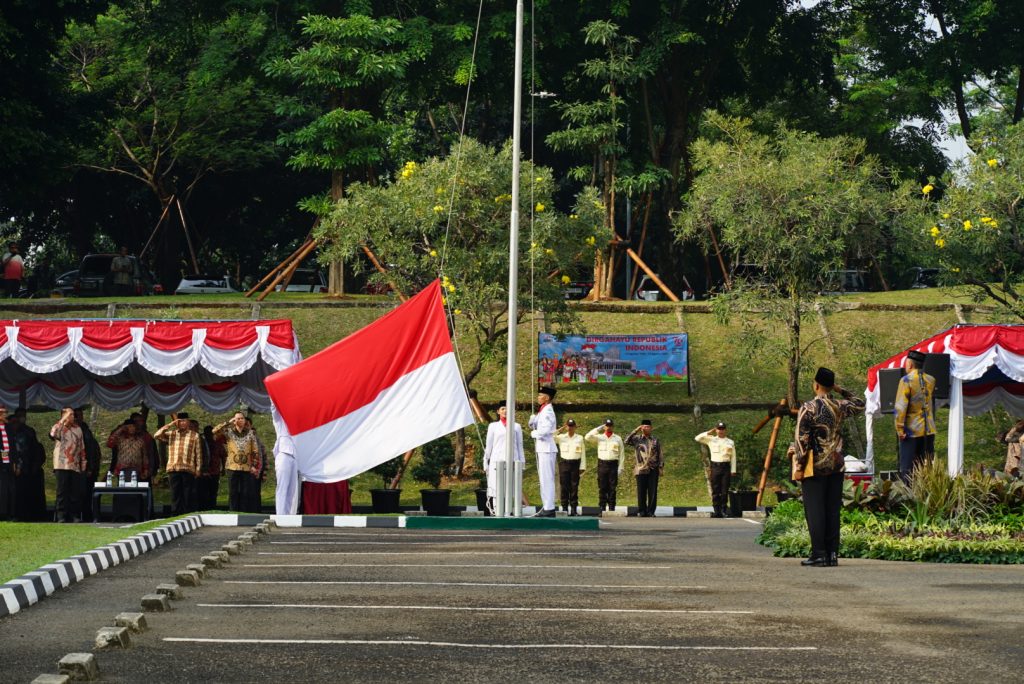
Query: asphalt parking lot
[[640, 600]]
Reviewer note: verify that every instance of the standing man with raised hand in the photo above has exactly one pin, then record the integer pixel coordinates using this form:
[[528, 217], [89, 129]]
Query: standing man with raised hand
[[542, 426], [915, 415], [68, 464], [572, 463], [723, 465], [610, 451], [183, 461], [648, 467], [243, 462]]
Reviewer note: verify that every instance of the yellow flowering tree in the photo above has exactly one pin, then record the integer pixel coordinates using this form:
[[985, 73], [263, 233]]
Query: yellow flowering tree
[[974, 232], [406, 222]]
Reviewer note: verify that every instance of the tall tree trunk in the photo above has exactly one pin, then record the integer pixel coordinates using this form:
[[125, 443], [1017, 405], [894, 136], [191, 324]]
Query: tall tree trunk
[[336, 271], [1018, 103], [794, 348]]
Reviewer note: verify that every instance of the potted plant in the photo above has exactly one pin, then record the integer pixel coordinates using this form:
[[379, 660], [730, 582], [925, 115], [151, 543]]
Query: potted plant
[[478, 470], [438, 458], [743, 494], [386, 499]]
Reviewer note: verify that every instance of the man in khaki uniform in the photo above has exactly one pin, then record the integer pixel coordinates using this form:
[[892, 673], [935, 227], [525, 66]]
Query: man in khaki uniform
[[610, 451], [723, 465], [572, 462]]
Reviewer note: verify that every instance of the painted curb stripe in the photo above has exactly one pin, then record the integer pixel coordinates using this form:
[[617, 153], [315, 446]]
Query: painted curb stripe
[[32, 587]]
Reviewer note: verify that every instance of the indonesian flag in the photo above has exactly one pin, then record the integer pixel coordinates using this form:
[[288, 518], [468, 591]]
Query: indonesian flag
[[378, 393]]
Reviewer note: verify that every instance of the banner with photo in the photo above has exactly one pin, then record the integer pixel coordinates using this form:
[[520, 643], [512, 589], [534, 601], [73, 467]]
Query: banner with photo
[[589, 359]]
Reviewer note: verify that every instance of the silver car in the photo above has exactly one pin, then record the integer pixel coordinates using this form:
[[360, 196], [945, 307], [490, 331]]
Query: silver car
[[205, 284]]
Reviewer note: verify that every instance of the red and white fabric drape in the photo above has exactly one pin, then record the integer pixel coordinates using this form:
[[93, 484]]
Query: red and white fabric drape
[[121, 364]]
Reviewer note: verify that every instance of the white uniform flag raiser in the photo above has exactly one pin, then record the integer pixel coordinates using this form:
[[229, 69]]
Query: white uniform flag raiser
[[378, 393]]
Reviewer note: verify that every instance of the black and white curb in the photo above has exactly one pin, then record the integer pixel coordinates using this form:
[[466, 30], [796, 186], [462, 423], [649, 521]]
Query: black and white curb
[[250, 519], [32, 587]]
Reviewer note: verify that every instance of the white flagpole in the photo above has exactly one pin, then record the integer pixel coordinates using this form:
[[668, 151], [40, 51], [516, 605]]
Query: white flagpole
[[513, 271]]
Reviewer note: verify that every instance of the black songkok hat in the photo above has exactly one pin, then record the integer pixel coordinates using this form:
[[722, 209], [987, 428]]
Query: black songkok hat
[[182, 416], [550, 391], [502, 404], [825, 378], [645, 421], [915, 355]]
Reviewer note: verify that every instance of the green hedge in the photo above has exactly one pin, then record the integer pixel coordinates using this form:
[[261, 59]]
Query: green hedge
[[886, 536]]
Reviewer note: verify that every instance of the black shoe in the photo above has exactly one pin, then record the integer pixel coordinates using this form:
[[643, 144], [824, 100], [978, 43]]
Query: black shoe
[[833, 559], [573, 513], [815, 561], [549, 513]]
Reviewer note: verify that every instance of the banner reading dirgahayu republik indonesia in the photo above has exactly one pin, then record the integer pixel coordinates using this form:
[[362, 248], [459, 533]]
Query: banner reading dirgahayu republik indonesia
[[585, 359]]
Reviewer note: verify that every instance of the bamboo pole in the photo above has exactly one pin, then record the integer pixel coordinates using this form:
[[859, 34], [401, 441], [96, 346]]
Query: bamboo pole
[[401, 470], [769, 453], [721, 261], [188, 238], [652, 275], [159, 223], [310, 246], [376, 263], [277, 268]]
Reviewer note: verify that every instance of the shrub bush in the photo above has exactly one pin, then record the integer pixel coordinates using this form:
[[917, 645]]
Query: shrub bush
[[438, 460]]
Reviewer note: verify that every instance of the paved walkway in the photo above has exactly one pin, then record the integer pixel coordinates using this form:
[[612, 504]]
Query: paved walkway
[[641, 600]]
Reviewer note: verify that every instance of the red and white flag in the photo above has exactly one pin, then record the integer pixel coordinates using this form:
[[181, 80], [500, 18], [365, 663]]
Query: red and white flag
[[378, 393]]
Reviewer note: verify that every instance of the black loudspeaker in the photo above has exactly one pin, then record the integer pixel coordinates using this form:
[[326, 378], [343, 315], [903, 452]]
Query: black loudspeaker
[[937, 366], [888, 381]]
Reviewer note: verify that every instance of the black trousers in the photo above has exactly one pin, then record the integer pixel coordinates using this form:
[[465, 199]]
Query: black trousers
[[607, 483], [8, 495], [206, 492], [647, 493], [68, 489], [720, 476], [86, 486], [913, 452], [239, 487], [823, 497], [569, 482], [255, 498], [183, 492]]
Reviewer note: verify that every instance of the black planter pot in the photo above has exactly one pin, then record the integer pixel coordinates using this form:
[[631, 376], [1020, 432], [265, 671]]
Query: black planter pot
[[481, 500], [386, 500], [435, 501], [784, 496], [742, 501]]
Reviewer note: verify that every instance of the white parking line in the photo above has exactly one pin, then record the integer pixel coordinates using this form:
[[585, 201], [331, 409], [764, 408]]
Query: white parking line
[[753, 522], [396, 543], [441, 534], [455, 565], [450, 644], [444, 553], [468, 584], [484, 609]]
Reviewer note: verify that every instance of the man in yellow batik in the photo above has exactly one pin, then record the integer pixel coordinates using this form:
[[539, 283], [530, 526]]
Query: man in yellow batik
[[915, 415], [244, 462]]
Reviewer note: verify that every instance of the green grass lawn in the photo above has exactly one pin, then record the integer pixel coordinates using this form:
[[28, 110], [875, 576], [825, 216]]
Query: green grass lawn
[[27, 546]]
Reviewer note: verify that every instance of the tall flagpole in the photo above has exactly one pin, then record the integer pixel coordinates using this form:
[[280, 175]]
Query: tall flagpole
[[513, 274]]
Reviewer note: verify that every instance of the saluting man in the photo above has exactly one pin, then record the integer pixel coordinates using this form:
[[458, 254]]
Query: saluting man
[[610, 451], [723, 465], [542, 426], [572, 462], [648, 467]]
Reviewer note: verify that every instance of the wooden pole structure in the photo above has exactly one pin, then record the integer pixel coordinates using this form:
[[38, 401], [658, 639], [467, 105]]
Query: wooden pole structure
[[277, 268], [188, 238], [721, 261], [376, 264], [640, 247], [159, 223], [401, 470], [478, 411], [771, 450], [303, 253], [652, 275]]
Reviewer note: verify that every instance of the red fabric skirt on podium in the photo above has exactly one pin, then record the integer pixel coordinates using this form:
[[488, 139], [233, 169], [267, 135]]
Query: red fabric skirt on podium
[[326, 498]]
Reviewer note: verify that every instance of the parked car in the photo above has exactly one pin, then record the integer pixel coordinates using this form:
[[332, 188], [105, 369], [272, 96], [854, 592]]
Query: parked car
[[306, 280], [95, 279], [648, 291], [577, 289], [842, 281], [919, 277], [205, 284], [65, 283]]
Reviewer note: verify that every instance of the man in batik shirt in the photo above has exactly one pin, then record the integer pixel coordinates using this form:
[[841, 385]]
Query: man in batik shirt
[[818, 462], [647, 468], [915, 415], [243, 461], [69, 463]]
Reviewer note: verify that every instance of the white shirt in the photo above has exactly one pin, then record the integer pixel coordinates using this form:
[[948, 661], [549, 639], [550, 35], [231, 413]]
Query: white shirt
[[608, 448], [494, 451], [572, 448], [543, 427], [723, 449]]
